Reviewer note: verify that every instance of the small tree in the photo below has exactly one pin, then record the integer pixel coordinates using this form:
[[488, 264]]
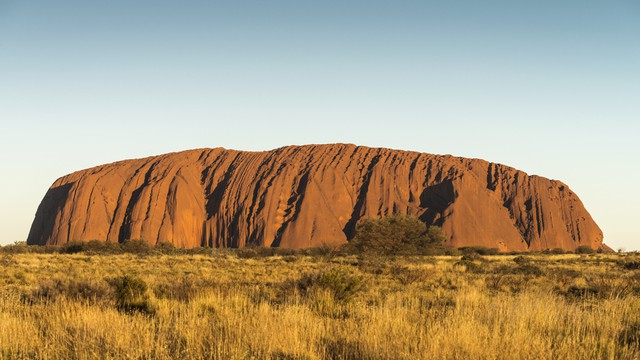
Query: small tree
[[396, 235]]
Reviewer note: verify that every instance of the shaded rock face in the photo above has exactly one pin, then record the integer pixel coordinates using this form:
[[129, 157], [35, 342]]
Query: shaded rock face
[[306, 196]]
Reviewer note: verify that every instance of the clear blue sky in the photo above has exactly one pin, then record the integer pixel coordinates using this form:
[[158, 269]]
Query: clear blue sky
[[549, 87]]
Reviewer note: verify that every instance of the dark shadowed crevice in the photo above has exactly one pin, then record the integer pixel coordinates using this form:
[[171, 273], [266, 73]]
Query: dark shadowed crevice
[[125, 229], [293, 204], [435, 199], [350, 228], [492, 176], [438, 196], [214, 200], [44, 223]]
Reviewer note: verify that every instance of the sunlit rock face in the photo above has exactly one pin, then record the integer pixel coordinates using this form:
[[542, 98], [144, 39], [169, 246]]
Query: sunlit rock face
[[307, 196]]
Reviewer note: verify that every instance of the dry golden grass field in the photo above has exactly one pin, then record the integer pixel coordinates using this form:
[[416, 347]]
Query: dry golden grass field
[[217, 305]]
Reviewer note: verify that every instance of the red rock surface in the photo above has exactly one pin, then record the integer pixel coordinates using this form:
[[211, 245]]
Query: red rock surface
[[305, 196]]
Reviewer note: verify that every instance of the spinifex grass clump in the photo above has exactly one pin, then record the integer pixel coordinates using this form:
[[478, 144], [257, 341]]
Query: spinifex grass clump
[[341, 283], [131, 294]]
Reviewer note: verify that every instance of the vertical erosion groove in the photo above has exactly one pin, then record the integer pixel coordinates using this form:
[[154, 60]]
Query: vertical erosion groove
[[350, 228]]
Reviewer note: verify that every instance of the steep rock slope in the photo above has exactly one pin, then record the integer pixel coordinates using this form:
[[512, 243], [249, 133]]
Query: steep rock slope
[[305, 196]]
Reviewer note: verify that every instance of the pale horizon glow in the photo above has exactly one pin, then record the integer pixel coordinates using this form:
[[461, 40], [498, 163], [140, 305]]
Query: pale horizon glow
[[550, 88]]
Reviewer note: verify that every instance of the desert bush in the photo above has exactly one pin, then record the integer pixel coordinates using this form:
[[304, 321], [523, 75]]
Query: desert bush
[[250, 252], [469, 265], [72, 247], [524, 268], [520, 260], [630, 335], [480, 250], [47, 290], [90, 247], [165, 247], [581, 292], [86, 289], [342, 348], [21, 247], [506, 281], [602, 287], [103, 247], [136, 246], [7, 260], [247, 253], [472, 256], [372, 265], [584, 249], [451, 252], [272, 293], [264, 251], [131, 295], [318, 251], [529, 269], [284, 252], [342, 284], [407, 276], [182, 290], [397, 235], [631, 265]]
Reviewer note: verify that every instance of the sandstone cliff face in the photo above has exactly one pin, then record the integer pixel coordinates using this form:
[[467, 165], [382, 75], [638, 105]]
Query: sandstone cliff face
[[305, 196]]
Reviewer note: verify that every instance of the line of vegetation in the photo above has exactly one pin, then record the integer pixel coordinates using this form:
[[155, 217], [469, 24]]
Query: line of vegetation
[[397, 235]]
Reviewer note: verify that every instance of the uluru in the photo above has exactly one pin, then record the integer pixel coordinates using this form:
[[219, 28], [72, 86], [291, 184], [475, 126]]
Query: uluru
[[309, 196]]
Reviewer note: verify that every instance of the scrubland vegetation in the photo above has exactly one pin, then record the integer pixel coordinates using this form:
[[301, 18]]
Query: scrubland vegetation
[[395, 292], [223, 304]]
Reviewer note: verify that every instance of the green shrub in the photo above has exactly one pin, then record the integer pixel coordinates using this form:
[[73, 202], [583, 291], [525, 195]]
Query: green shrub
[[581, 292], [528, 269], [584, 249], [103, 247], [397, 235], [92, 247], [480, 250], [318, 251], [264, 251], [451, 252], [341, 348], [603, 287], [72, 247], [407, 276], [21, 247], [631, 265], [469, 264], [473, 256], [247, 253], [340, 282], [630, 335], [250, 252], [136, 246], [47, 290], [165, 247], [131, 295], [85, 289]]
